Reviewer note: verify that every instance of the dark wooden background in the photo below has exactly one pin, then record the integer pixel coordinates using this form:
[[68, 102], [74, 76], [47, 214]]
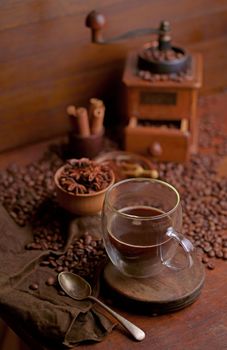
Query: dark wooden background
[[47, 60]]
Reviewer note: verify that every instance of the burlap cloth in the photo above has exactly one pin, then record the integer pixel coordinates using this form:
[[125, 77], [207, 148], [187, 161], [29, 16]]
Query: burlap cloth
[[43, 313]]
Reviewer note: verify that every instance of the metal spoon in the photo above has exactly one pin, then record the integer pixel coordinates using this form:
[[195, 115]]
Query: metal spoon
[[78, 288]]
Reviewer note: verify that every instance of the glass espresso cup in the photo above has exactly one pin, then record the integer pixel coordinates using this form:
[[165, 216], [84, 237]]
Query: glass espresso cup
[[141, 223]]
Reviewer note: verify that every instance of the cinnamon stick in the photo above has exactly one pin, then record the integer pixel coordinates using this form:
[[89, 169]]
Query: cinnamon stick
[[83, 123], [71, 111], [94, 103], [97, 120]]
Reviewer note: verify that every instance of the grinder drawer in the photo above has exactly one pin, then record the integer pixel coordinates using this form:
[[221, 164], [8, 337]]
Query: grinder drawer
[[161, 143]]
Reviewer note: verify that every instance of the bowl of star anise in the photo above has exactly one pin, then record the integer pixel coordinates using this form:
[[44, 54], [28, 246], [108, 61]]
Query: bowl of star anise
[[81, 185]]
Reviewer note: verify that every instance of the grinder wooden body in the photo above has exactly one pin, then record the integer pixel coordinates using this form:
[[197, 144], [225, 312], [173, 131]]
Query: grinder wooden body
[[166, 101]]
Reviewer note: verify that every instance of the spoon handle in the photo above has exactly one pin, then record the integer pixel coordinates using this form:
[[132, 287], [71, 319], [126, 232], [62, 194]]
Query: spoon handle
[[135, 331]]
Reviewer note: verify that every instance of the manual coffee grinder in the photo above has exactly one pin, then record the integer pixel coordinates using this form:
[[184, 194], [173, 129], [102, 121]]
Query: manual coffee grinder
[[161, 84]]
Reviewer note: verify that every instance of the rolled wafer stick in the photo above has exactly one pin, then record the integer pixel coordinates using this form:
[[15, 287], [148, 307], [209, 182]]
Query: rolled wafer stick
[[83, 123], [71, 111], [97, 120], [94, 103]]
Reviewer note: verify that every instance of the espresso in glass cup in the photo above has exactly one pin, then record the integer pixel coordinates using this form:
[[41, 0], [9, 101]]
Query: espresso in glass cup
[[141, 223]]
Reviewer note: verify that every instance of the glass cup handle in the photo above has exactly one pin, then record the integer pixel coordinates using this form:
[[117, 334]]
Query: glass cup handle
[[186, 245]]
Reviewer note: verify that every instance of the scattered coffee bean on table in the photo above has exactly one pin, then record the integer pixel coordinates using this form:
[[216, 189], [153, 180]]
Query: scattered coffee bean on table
[[51, 281], [24, 188], [203, 194], [27, 193], [34, 286]]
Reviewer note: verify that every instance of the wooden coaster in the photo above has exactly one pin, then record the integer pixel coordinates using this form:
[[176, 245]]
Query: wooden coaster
[[169, 291]]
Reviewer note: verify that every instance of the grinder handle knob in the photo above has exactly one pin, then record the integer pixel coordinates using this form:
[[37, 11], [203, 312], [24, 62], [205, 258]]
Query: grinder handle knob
[[96, 21]]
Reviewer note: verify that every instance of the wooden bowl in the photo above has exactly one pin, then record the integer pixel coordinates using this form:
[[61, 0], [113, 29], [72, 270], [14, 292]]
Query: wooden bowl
[[80, 204]]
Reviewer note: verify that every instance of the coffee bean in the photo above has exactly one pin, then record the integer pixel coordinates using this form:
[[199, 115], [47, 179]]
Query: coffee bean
[[205, 259], [88, 239], [61, 292], [211, 265], [207, 248], [34, 286], [50, 281], [60, 269], [53, 263], [211, 253], [219, 254]]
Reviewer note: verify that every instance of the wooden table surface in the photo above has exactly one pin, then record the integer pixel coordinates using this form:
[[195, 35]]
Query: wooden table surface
[[201, 326]]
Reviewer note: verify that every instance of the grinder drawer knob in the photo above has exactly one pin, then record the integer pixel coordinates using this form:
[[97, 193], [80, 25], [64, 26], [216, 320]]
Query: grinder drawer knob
[[155, 149]]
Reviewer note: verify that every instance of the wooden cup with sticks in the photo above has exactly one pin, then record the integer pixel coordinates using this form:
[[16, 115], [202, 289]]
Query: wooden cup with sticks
[[86, 137]]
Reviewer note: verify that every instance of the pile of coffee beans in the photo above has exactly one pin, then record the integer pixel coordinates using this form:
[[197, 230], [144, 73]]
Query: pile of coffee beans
[[28, 195], [49, 227], [154, 54], [24, 188], [159, 123], [203, 194], [157, 55], [83, 256], [175, 77]]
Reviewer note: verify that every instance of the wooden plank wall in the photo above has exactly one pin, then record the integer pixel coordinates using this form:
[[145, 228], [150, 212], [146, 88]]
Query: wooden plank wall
[[48, 62]]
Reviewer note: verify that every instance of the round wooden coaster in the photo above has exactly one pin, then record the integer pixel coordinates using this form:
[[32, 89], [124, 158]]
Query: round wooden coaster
[[169, 291]]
